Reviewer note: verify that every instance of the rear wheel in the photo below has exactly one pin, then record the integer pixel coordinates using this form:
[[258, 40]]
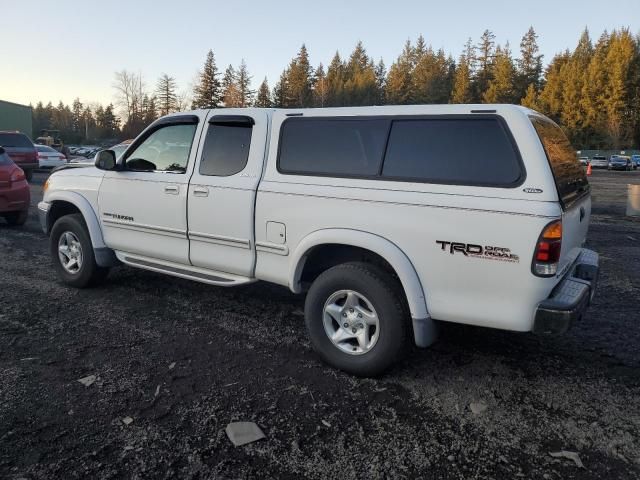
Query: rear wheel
[[16, 218], [356, 320], [72, 253]]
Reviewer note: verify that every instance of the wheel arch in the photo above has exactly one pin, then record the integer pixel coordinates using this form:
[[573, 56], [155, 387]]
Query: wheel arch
[[65, 202], [376, 244]]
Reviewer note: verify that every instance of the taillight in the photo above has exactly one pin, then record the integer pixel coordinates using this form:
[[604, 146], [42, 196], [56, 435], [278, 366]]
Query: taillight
[[547, 254], [17, 175]]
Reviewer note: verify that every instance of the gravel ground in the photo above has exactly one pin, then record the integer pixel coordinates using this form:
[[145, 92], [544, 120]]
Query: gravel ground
[[182, 360]]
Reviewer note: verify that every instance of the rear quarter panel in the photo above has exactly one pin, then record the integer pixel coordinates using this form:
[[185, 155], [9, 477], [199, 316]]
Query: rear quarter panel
[[478, 290]]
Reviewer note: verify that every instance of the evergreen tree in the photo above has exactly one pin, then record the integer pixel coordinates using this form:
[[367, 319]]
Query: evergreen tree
[[77, 122], [485, 56], [381, 81], [245, 94], [206, 93], [529, 64], [230, 89], [166, 96], [431, 82], [462, 83], [280, 90], [550, 98], [399, 82], [300, 86], [501, 86], [530, 99], [360, 78], [320, 87], [263, 99], [335, 82]]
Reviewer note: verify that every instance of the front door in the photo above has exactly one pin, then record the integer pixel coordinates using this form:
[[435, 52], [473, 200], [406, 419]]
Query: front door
[[223, 189], [143, 207]]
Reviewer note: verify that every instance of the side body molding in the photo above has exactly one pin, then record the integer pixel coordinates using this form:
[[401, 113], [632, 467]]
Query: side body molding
[[379, 245]]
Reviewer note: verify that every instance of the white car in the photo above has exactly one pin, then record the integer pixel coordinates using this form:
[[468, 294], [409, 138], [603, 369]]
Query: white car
[[599, 161], [49, 157], [379, 214]]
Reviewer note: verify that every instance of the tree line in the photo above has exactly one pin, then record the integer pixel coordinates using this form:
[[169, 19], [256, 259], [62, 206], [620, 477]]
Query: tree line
[[592, 91]]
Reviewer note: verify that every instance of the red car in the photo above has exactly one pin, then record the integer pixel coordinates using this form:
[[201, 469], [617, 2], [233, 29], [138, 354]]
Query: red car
[[14, 191], [21, 150]]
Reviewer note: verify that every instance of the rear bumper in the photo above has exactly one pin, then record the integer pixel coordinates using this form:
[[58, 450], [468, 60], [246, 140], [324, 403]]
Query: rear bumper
[[16, 198], [570, 298]]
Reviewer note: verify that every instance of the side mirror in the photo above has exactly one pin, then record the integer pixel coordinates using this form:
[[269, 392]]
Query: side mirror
[[106, 160], [1, 150]]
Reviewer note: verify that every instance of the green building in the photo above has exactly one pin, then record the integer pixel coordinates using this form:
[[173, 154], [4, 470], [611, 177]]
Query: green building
[[14, 116]]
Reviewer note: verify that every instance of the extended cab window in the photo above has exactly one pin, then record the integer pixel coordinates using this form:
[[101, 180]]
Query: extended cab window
[[226, 149], [571, 180], [332, 146], [466, 151], [165, 150]]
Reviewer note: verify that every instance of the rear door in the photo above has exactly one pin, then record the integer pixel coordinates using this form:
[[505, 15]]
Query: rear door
[[222, 191], [572, 185]]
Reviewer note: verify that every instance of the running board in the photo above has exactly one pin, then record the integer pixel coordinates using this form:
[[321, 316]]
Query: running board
[[190, 273]]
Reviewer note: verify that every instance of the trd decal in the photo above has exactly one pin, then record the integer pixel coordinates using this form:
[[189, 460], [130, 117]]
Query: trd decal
[[478, 251], [117, 216], [532, 190]]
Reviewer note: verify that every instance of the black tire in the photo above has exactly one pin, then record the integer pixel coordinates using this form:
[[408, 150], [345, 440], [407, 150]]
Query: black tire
[[384, 293], [28, 173], [17, 218], [89, 273]]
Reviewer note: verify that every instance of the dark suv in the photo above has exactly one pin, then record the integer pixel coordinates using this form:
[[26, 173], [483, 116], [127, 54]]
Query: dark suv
[[21, 150]]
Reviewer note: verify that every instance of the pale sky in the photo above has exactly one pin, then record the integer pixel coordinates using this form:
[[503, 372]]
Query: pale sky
[[59, 50]]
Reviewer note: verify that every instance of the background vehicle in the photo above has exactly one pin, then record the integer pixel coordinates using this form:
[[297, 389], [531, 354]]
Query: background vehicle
[[636, 161], [49, 157], [620, 162], [50, 138], [584, 161], [21, 150], [14, 191], [599, 161]]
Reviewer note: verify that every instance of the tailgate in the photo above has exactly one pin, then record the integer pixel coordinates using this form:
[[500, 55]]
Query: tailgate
[[575, 223]]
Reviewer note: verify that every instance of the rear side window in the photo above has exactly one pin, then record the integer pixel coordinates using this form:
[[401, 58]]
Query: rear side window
[[15, 140], [468, 151], [332, 146], [571, 180], [226, 150]]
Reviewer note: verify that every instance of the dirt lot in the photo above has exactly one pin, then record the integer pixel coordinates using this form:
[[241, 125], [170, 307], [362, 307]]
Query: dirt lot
[[182, 360]]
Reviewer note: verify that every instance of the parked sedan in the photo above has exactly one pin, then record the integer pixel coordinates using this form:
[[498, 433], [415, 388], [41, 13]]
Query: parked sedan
[[14, 191], [618, 162], [635, 159], [584, 161], [21, 150], [599, 161], [49, 157]]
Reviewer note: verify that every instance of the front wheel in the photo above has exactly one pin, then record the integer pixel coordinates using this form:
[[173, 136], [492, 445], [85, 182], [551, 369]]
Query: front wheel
[[356, 320], [72, 253]]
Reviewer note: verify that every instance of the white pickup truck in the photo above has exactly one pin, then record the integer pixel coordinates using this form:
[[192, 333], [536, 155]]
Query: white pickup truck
[[389, 218]]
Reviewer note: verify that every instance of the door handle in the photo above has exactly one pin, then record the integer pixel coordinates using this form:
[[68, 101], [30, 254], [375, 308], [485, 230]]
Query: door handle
[[200, 192], [171, 189]]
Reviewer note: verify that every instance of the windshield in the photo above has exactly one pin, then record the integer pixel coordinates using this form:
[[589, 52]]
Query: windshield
[[15, 140], [570, 177]]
